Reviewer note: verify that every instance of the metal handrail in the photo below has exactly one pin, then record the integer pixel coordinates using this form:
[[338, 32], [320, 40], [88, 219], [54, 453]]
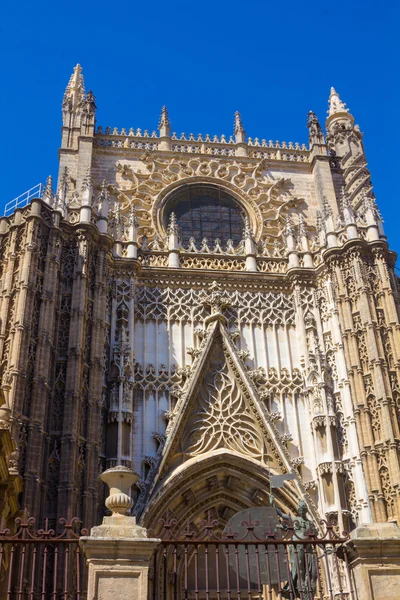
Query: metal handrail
[[24, 199]]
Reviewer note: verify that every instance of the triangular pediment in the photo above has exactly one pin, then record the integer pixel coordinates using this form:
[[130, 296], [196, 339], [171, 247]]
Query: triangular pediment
[[217, 410]]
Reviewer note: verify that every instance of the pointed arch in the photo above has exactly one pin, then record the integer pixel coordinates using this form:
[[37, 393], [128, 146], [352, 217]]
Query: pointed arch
[[223, 483]]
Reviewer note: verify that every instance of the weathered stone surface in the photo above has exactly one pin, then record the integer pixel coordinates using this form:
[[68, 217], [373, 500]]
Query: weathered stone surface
[[118, 554], [374, 552]]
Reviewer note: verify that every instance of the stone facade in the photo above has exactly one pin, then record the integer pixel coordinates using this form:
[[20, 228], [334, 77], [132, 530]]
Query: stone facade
[[205, 367]]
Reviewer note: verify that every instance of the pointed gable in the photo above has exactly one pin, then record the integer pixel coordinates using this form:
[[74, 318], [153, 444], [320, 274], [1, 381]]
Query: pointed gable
[[219, 410]]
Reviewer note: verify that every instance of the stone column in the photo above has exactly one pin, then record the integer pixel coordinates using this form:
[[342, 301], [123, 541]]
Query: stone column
[[373, 554], [118, 552]]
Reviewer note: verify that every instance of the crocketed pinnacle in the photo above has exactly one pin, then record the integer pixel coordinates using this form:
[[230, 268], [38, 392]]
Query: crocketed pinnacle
[[288, 229], [48, 194], [164, 118], [173, 228], [238, 124], [75, 90], [49, 184], [247, 229], [335, 103], [344, 198], [302, 227]]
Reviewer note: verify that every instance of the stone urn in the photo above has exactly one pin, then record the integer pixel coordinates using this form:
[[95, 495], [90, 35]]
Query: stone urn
[[119, 480]]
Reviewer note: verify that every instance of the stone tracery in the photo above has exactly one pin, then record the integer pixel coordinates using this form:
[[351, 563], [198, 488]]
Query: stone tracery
[[104, 321], [221, 419]]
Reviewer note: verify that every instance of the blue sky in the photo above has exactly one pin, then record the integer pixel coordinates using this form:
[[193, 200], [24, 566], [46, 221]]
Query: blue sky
[[272, 61]]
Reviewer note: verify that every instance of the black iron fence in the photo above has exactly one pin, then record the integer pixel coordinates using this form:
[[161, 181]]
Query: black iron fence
[[42, 563], [264, 563], [254, 561]]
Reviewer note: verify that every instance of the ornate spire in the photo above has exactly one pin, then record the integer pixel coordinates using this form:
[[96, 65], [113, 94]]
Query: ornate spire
[[173, 227], [302, 227], [315, 136], [164, 124], [326, 208], [87, 180], [335, 104], [288, 229], [132, 218], [239, 129], [62, 191], [75, 90], [164, 118], [240, 135], [368, 202], [320, 222], [48, 194], [247, 229], [344, 198]]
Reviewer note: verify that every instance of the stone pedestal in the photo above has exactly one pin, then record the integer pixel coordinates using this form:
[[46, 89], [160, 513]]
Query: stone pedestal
[[118, 551], [374, 558], [118, 554]]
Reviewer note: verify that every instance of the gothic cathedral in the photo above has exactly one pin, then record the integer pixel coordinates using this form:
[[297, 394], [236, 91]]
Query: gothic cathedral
[[210, 312]]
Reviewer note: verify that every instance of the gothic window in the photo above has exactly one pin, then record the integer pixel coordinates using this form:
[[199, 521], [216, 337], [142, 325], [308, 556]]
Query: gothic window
[[206, 211]]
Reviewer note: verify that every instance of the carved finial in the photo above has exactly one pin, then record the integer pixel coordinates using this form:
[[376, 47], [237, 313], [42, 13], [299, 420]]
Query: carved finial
[[173, 227], [302, 227], [117, 213], [288, 229], [240, 136], [75, 90], [116, 223], [326, 209], [90, 101], [344, 198], [335, 103], [133, 222], [48, 194], [164, 118], [62, 191], [164, 124], [320, 222], [368, 202], [87, 180], [315, 136], [64, 180], [238, 124], [247, 229]]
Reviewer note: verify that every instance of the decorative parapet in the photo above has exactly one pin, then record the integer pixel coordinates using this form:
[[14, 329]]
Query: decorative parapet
[[200, 144]]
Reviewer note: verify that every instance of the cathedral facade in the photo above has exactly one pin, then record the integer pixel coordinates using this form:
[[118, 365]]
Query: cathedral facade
[[210, 312]]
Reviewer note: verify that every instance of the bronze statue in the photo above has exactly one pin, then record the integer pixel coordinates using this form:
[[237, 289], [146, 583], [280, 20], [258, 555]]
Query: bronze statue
[[303, 562]]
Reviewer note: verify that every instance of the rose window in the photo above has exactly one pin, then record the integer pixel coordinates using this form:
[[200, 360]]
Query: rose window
[[206, 211]]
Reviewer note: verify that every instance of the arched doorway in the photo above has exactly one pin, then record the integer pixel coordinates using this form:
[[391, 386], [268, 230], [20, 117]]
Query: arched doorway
[[199, 502], [222, 482], [215, 547]]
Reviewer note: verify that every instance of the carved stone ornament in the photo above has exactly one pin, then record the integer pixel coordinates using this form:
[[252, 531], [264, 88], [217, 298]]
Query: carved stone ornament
[[119, 479], [265, 198]]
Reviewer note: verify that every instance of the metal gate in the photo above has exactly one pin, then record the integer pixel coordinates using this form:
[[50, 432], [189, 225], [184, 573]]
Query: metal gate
[[212, 564], [41, 563]]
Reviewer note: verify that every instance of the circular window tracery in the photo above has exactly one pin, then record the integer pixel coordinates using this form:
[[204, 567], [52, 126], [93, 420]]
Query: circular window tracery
[[206, 211]]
